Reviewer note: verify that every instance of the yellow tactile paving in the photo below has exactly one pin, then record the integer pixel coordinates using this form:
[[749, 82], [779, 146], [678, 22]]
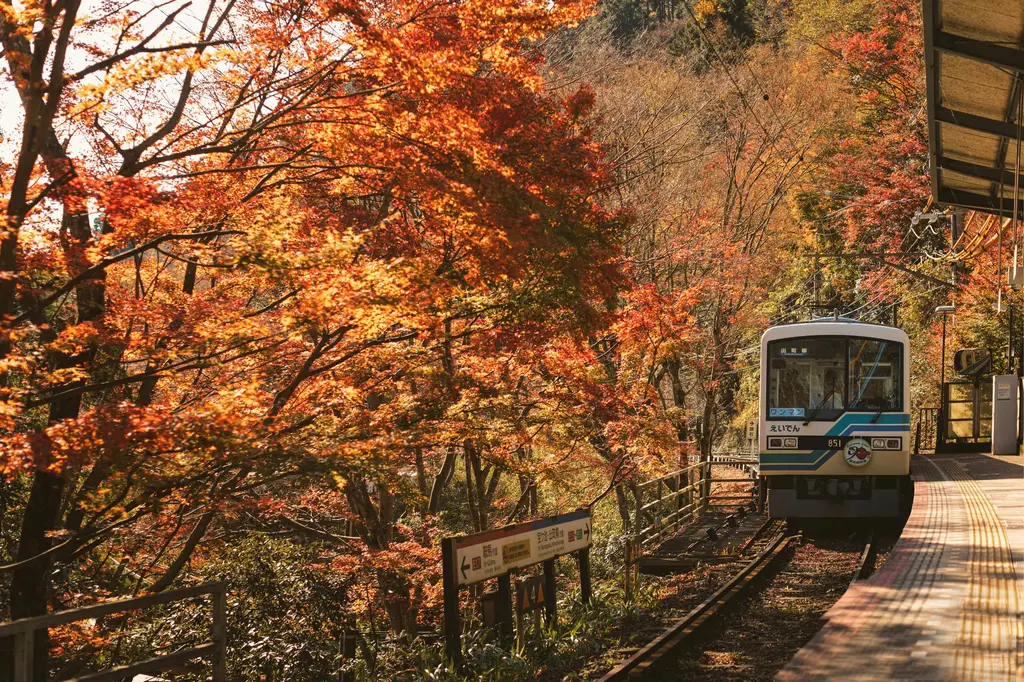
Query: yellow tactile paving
[[985, 647], [946, 604]]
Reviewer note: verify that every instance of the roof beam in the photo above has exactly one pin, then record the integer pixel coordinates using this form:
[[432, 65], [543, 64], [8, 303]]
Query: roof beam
[[978, 171], [974, 200], [978, 50], [979, 124]]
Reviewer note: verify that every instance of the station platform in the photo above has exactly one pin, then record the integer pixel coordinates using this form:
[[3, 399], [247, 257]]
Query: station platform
[[946, 604]]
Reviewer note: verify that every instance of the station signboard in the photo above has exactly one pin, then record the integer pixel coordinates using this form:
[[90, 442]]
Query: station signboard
[[493, 553]]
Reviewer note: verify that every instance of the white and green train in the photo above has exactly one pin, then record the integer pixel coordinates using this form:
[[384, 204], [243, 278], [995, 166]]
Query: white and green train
[[834, 417]]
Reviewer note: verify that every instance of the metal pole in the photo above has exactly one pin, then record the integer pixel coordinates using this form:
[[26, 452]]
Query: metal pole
[[942, 370]]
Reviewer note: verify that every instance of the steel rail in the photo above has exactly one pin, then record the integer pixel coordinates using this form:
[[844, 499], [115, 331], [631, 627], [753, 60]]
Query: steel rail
[[664, 647], [866, 558]]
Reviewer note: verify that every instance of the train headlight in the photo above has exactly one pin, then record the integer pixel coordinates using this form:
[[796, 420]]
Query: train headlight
[[789, 442], [775, 444], [878, 444], [893, 443]]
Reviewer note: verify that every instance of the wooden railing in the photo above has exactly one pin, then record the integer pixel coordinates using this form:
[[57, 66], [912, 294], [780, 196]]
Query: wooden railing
[[748, 465], [214, 650], [665, 503]]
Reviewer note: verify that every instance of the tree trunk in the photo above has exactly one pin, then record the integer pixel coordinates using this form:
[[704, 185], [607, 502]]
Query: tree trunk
[[623, 506], [31, 581]]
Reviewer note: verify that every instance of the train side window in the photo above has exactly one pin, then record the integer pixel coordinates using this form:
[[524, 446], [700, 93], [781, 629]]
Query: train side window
[[876, 375]]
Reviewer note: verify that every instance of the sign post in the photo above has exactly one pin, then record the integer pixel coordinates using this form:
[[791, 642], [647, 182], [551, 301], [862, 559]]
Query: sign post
[[452, 635], [583, 556], [494, 554]]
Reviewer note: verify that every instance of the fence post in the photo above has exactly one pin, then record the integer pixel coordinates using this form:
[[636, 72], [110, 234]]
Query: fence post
[[689, 491], [705, 485], [23, 656], [679, 499], [219, 634], [658, 510], [638, 497], [627, 573]]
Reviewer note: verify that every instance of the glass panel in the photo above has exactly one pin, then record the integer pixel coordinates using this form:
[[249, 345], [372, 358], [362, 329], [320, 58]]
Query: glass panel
[[961, 411], [985, 429], [876, 375], [807, 378], [961, 392], [962, 429]]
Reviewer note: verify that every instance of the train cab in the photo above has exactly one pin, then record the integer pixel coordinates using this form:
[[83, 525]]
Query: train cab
[[834, 417]]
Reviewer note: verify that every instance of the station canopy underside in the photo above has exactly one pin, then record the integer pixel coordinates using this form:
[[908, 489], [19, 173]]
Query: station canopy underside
[[974, 53]]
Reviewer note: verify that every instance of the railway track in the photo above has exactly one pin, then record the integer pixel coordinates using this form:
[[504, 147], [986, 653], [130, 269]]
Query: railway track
[[800, 578], [649, 658]]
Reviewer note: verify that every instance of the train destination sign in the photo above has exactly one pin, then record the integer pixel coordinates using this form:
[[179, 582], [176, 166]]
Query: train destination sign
[[493, 553]]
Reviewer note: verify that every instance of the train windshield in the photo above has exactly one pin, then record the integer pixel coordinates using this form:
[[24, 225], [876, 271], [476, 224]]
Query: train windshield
[[807, 378], [876, 375], [820, 378]]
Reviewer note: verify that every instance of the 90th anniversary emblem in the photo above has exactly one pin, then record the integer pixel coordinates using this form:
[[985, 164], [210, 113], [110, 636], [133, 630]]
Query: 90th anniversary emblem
[[857, 452]]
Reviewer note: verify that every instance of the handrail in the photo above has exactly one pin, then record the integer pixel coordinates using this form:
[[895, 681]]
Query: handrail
[[23, 630], [106, 608], [679, 495]]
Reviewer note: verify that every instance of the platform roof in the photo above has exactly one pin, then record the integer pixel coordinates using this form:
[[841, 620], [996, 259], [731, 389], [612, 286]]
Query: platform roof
[[974, 56]]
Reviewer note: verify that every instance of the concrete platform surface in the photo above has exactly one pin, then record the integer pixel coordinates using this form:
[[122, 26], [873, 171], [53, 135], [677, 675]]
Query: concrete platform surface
[[946, 604]]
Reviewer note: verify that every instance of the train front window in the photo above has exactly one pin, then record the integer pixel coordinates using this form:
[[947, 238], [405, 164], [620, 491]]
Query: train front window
[[876, 372], [807, 378]]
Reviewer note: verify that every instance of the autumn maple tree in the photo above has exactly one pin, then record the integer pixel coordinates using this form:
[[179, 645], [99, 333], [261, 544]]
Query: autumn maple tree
[[290, 290], [257, 252]]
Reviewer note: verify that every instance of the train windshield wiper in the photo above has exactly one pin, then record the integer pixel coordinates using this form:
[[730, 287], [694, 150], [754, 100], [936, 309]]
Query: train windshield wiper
[[817, 409]]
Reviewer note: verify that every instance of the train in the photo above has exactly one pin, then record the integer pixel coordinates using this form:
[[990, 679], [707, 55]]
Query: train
[[834, 420]]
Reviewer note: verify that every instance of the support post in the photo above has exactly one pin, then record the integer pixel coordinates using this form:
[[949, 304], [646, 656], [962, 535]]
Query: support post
[[627, 572], [550, 601], [942, 367], [504, 608], [450, 583], [583, 556], [219, 634], [24, 653]]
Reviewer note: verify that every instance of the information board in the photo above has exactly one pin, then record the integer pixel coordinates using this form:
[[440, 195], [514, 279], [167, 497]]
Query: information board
[[493, 553]]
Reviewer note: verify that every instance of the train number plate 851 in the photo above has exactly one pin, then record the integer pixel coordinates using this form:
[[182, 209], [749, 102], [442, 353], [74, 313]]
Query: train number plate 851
[[822, 442]]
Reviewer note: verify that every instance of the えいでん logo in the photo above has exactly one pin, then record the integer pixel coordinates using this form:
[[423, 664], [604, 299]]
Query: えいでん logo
[[857, 452]]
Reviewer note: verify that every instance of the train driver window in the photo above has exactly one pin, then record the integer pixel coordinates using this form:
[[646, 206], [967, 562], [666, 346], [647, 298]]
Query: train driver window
[[807, 378], [876, 375]]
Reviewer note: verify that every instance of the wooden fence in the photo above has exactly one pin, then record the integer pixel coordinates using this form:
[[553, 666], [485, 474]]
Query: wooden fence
[[664, 504], [23, 631]]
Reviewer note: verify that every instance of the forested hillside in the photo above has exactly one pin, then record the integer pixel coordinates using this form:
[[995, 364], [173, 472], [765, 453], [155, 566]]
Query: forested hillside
[[289, 291]]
